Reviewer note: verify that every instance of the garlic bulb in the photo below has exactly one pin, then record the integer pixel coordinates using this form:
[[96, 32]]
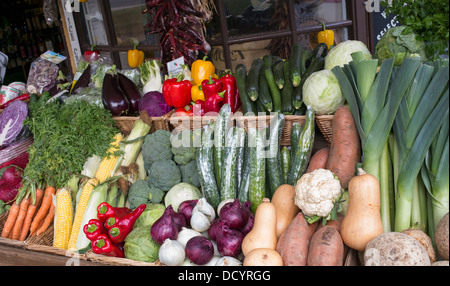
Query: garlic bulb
[[228, 261], [204, 207], [171, 253], [203, 214], [185, 234]]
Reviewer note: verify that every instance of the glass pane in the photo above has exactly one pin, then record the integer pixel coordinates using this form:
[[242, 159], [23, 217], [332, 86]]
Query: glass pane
[[95, 27], [129, 23]]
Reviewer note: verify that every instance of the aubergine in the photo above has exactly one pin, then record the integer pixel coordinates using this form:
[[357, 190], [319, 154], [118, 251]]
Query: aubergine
[[83, 80], [112, 96], [131, 91]]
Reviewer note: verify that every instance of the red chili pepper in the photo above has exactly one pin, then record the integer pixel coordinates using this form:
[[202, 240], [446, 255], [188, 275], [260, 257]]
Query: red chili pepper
[[177, 92], [91, 55], [185, 111], [93, 229], [211, 86], [231, 97], [104, 245], [124, 226], [105, 211], [20, 97], [199, 108], [214, 102]]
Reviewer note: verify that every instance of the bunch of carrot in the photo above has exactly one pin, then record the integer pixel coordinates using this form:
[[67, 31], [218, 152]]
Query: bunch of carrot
[[31, 213]]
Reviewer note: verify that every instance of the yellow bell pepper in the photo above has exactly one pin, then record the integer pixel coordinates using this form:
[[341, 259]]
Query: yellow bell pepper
[[325, 36], [197, 93], [135, 57], [201, 70]]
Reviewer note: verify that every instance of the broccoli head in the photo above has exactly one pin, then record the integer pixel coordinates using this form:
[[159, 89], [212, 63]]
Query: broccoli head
[[141, 192], [164, 174], [156, 147], [189, 173], [183, 147]]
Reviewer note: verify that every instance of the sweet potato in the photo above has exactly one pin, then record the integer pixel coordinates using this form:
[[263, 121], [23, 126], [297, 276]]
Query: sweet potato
[[326, 248], [345, 149], [334, 223], [318, 160], [294, 242]]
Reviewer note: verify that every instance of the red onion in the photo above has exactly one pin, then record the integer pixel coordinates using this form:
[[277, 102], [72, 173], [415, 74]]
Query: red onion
[[164, 227], [235, 214], [251, 219], [186, 207], [199, 250], [179, 219], [215, 226], [229, 241]]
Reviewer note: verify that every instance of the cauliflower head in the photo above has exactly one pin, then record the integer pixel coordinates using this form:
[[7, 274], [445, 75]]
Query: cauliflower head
[[317, 192]]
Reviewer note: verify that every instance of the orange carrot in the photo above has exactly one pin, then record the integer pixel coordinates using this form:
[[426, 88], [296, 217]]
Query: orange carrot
[[10, 221], [23, 207], [48, 220], [30, 214], [43, 209]]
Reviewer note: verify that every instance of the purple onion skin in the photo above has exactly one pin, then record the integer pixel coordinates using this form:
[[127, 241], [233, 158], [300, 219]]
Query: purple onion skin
[[164, 227], [229, 241], [186, 207], [235, 214], [215, 227], [179, 219], [199, 250], [249, 225]]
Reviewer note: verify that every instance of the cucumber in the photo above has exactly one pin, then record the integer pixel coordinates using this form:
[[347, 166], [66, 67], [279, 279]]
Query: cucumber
[[245, 177], [285, 163], [241, 143], [287, 107], [300, 158], [317, 64], [264, 98], [221, 127], [296, 130], [253, 78], [241, 83], [273, 156], [205, 166], [320, 50], [305, 60], [295, 74], [278, 72], [275, 92], [230, 156], [257, 170]]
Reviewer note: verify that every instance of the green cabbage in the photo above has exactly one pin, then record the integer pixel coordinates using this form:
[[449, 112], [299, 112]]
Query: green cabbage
[[399, 42], [140, 246], [181, 192], [321, 92], [151, 213], [342, 53]]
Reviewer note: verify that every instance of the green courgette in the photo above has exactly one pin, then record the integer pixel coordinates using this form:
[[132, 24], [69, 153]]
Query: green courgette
[[320, 50], [317, 64], [264, 98], [278, 73], [253, 78], [273, 158], [241, 82], [295, 73], [285, 163], [257, 172], [301, 111], [230, 156], [205, 166], [287, 107], [274, 91], [305, 60], [221, 127], [300, 158]]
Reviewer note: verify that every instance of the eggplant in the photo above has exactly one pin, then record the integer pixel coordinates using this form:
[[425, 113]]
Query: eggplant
[[131, 91], [112, 96], [83, 80]]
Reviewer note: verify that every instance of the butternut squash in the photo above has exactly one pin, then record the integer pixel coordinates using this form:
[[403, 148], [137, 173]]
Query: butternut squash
[[283, 200], [362, 221], [263, 233], [263, 257]]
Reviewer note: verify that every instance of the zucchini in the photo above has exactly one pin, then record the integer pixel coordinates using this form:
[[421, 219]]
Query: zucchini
[[287, 107], [245, 177], [296, 130], [205, 166], [264, 98], [317, 64], [305, 60], [241, 143], [285, 163], [241, 83], [257, 168], [278, 73], [300, 158], [301, 111], [230, 157], [253, 78], [221, 127], [260, 107], [273, 157], [320, 50], [295, 74], [275, 92]]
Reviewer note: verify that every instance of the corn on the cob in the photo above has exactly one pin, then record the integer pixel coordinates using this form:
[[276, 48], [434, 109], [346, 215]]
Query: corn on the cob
[[108, 164], [80, 210], [63, 219]]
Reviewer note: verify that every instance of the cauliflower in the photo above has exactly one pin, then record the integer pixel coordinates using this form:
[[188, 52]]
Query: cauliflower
[[156, 147], [164, 174], [316, 194], [189, 173]]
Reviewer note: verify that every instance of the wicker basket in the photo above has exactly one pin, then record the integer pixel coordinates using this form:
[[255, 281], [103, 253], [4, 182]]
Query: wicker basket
[[116, 261], [125, 123], [180, 123], [325, 123]]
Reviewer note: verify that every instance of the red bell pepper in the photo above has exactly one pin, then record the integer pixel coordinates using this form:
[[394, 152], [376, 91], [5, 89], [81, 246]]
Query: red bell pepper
[[214, 102], [91, 55], [104, 245], [177, 92], [211, 86], [105, 211], [231, 96], [93, 229], [108, 224], [124, 226], [185, 111], [199, 108]]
